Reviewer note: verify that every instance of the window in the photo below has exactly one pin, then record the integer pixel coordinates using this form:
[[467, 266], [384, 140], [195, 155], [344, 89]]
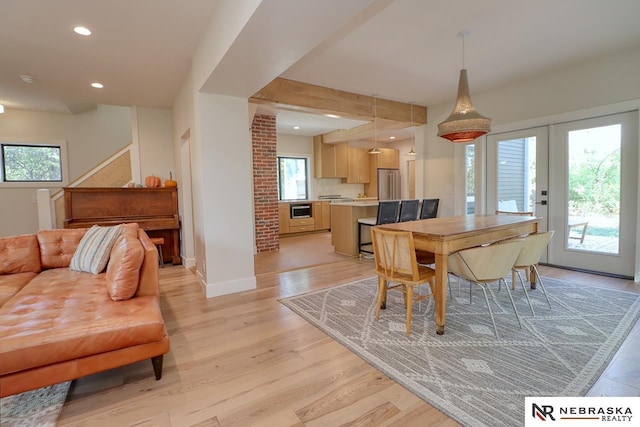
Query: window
[[31, 163], [470, 176], [292, 178]]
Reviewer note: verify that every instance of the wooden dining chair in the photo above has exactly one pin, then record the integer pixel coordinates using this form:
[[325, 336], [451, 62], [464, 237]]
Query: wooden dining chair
[[487, 264], [395, 261], [530, 254], [409, 210], [387, 214]]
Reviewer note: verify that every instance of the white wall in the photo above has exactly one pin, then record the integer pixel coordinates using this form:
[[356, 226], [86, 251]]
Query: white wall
[[91, 137], [182, 123], [155, 142], [219, 66], [294, 145], [403, 148], [227, 21], [225, 164], [542, 100]]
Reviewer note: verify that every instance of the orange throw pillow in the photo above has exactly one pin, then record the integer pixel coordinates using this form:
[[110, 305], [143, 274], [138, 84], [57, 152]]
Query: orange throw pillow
[[123, 270]]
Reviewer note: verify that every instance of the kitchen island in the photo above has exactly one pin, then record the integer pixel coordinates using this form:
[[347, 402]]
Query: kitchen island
[[344, 224]]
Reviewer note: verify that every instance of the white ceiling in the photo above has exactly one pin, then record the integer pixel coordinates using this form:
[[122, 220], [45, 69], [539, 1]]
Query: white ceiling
[[140, 50], [405, 50]]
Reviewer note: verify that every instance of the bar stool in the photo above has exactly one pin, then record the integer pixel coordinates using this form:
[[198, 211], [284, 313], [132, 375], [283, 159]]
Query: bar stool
[[429, 208], [409, 210], [387, 214], [159, 241]]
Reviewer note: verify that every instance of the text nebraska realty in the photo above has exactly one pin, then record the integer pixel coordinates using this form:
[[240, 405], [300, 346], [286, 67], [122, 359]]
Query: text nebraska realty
[[609, 413]]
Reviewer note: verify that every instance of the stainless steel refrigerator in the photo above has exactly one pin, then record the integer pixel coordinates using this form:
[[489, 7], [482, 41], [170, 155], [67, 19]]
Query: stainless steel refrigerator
[[389, 184]]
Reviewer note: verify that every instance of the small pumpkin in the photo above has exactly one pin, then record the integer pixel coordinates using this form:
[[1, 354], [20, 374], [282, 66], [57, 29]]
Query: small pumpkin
[[170, 183], [152, 181]]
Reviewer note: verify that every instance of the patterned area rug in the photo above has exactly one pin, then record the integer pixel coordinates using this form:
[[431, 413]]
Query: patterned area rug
[[36, 408], [467, 373]]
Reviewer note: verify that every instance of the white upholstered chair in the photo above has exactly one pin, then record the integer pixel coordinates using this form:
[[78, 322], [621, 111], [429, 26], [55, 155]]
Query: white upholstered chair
[[532, 249], [486, 264]]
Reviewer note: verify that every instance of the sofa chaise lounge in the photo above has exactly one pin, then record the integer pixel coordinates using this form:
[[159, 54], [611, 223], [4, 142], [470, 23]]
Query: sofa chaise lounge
[[57, 324]]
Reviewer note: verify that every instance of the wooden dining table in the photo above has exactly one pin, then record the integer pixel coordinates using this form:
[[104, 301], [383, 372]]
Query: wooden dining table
[[444, 236]]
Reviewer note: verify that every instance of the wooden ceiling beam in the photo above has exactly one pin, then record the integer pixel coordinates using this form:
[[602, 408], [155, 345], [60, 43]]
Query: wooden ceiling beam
[[367, 131], [297, 96]]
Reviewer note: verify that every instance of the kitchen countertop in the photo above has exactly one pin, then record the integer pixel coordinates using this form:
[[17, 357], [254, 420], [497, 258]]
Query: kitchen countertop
[[362, 201], [357, 203], [301, 201]]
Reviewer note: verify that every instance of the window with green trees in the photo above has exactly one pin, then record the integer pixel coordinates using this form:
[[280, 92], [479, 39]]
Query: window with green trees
[[31, 163], [293, 178]]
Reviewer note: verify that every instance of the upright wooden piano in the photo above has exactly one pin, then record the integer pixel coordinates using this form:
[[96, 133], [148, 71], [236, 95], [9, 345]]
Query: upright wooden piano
[[154, 209]]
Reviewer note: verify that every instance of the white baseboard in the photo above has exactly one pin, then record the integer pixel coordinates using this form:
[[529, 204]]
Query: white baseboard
[[230, 287], [188, 262], [202, 282]]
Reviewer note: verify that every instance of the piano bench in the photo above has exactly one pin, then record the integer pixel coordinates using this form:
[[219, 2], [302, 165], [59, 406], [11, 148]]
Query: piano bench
[[159, 241]]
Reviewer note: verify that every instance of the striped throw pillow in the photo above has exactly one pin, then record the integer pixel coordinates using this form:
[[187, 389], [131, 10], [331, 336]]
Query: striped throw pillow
[[92, 253]]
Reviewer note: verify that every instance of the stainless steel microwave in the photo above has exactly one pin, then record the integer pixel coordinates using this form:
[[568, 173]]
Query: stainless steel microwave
[[300, 210]]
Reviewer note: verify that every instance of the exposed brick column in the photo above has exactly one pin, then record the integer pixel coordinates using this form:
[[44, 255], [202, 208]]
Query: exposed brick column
[[265, 182]]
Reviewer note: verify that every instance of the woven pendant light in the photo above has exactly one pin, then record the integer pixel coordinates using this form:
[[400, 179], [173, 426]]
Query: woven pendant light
[[464, 124]]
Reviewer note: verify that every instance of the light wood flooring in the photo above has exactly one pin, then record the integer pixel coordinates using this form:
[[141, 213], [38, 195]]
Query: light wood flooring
[[297, 252], [245, 359]]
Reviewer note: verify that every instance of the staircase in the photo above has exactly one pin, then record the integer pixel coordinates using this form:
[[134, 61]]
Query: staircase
[[114, 171]]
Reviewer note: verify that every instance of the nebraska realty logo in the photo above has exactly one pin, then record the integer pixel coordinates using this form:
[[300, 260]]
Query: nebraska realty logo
[[585, 411]]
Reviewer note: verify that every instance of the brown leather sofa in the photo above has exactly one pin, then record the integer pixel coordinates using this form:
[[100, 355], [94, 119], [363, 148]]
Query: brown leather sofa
[[58, 325]]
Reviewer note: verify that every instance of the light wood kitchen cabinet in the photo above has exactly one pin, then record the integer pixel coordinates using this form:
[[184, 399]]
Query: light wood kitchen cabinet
[[357, 166], [322, 215], [284, 217], [320, 218], [389, 158], [326, 215], [317, 215], [300, 225], [340, 161], [327, 159], [344, 225]]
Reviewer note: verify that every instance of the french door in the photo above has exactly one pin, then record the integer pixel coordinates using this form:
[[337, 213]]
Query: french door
[[517, 172], [593, 195], [581, 178]]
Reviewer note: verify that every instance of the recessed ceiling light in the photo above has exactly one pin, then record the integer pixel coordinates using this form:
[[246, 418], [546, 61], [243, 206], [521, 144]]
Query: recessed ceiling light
[[296, 127], [1, 108], [392, 137], [333, 116], [97, 85], [26, 78], [83, 31]]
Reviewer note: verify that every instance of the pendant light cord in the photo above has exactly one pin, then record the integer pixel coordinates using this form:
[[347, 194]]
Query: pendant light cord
[[375, 124], [463, 34], [411, 113], [412, 152], [463, 51]]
